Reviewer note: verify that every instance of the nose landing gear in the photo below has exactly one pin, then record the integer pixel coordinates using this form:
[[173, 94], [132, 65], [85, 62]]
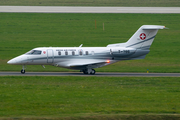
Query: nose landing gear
[[23, 69]]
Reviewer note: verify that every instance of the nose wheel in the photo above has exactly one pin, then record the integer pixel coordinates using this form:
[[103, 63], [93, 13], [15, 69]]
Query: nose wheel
[[23, 69]]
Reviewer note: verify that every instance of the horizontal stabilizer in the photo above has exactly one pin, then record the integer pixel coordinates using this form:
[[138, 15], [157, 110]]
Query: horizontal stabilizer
[[153, 27]]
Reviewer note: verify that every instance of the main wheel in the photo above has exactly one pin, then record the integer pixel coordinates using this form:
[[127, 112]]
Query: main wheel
[[93, 72], [23, 71], [85, 71]]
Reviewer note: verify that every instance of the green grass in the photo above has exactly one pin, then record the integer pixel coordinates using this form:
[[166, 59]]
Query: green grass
[[21, 32], [139, 3], [88, 96]]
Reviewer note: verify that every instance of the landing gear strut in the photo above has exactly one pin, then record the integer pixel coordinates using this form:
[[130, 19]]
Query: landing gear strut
[[23, 70], [89, 71]]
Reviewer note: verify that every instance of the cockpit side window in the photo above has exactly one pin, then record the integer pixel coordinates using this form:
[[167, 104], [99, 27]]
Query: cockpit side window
[[37, 52], [34, 52]]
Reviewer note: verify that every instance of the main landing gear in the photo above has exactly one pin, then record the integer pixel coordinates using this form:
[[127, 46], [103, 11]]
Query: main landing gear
[[89, 71], [23, 69]]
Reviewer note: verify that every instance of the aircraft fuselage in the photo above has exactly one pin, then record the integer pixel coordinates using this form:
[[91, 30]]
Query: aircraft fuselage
[[87, 58]]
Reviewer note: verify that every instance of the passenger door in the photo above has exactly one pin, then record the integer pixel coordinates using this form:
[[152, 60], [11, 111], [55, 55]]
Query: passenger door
[[50, 56]]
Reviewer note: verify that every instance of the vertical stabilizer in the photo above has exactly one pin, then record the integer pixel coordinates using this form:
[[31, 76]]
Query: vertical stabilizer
[[143, 37]]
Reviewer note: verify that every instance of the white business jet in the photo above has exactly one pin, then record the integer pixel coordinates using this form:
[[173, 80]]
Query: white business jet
[[86, 59]]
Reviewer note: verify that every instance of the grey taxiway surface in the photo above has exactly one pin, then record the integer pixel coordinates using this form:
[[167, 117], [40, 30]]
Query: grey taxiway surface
[[69, 9], [98, 74]]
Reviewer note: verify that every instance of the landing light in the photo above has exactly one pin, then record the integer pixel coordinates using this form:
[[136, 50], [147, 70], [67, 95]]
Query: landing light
[[108, 61]]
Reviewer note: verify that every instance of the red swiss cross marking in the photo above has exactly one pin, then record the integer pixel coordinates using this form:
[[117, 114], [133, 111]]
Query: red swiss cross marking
[[142, 36], [44, 52]]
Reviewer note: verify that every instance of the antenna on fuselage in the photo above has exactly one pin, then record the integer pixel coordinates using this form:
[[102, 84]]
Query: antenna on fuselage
[[81, 45]]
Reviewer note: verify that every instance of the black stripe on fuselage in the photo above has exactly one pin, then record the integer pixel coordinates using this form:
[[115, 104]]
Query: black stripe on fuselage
[[141, 42]]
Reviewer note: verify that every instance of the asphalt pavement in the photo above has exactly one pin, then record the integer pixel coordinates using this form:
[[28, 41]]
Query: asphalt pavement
[[78, 9], [98, 74]]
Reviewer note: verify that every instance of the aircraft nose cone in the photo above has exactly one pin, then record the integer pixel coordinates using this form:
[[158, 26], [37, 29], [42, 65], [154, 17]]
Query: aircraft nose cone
[[11, 61]]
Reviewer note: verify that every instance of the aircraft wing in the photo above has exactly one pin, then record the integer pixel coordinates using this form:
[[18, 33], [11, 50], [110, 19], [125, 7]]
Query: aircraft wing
[[84, 64]]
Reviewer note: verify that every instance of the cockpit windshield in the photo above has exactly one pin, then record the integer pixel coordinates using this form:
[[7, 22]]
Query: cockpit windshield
[[34, 52]]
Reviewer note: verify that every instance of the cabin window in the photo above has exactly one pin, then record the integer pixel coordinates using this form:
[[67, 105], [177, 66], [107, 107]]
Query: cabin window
[[59, 53], [92, 52], [73, 53], [87, 53], [66, 52], [80, 52]]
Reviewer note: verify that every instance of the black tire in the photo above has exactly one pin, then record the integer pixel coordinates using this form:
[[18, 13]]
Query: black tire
[[85, 71], [93, 72], [23, 71]]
